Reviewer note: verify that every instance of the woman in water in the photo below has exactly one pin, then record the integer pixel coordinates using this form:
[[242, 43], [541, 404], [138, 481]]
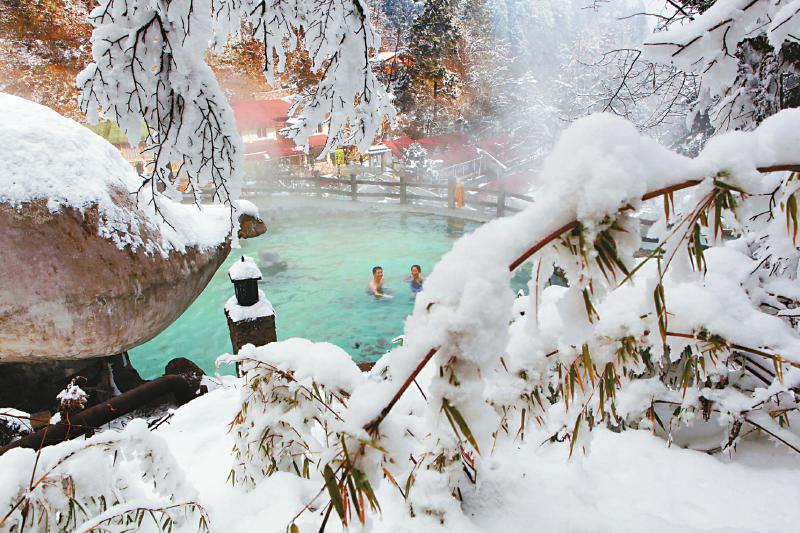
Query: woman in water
[[415, 280]]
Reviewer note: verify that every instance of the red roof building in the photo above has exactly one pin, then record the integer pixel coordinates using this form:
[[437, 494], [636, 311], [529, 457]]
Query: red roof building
[[271, 149], [449, 149], [261, 119]]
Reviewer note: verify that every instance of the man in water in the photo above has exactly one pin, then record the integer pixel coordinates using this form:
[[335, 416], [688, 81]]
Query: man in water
[[415, 279], [376, 285]]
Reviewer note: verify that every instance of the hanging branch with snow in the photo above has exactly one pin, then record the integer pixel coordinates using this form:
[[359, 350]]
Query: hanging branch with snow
[[149, 65], [339, 39], [745, 51]]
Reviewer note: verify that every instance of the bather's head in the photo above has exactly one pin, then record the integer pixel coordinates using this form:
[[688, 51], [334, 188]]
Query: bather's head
[[377, 272], [416, 270]]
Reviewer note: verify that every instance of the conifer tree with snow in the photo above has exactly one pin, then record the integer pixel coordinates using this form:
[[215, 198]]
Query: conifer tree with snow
[[486, 61], [396, 19], [431, 83]]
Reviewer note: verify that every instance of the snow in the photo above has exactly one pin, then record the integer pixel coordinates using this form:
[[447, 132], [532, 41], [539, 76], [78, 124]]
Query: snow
[[247, 207], [73, 393], [50, 158], [630, 482], [321, 362], [378, 149], [133, 82], [600, 165], [16, 420], [238, 313], [133, 465], [305, 403], [709, 46], [245, 268], [383, 56]]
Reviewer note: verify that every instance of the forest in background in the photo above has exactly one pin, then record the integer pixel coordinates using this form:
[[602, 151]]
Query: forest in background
[[514, 71]]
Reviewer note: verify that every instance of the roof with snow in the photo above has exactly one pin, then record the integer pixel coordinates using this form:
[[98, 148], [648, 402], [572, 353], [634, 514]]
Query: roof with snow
[[317, 140], [383, 56], [399, 146], [378, 149], [281, 147], [254, 114]]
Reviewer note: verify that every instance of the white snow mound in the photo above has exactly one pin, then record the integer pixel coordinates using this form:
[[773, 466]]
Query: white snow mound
[[49, 157]]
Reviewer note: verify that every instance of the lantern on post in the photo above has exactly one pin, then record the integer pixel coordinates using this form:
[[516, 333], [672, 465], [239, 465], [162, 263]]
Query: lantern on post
[[250, 316], [245, 276]]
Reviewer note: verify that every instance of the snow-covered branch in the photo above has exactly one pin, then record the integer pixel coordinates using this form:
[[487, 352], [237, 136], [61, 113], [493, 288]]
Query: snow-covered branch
[[149, 65], [696, 338], [339, 38], [108, 481], [743, 50]]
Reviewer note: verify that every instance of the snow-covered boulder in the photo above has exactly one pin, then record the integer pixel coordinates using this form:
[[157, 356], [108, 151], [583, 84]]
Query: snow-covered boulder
[[87, 268]]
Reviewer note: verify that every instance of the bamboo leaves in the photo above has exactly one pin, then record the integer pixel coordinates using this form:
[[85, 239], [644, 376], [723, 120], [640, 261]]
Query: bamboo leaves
[[695, 244], [458, 423], [575, 431], [660, 303], [591, 312], [333, 490], [608, 258], [791, 216]]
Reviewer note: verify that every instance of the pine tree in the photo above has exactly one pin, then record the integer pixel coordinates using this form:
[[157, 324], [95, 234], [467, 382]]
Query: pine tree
[[486, 59], [431, 80], [396, 19]]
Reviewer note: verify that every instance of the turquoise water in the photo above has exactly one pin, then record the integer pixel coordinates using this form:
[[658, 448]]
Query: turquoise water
[[316, 270]]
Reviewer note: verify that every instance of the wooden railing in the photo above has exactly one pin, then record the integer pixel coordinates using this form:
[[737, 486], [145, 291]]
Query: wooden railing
[[404, 189]]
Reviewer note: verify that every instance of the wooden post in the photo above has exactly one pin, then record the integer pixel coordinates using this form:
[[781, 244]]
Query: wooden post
[[256, 331], [451, 192], [403, 198], [317, 183], [501, 201], [353, 187]]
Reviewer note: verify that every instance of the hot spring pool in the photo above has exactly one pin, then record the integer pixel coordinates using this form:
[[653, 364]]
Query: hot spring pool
[[316, 269]]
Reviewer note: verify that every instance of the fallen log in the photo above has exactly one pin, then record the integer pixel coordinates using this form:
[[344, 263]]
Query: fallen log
[[93, 418]]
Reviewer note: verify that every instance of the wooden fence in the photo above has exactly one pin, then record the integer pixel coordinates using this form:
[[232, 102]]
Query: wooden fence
[[498, 202]]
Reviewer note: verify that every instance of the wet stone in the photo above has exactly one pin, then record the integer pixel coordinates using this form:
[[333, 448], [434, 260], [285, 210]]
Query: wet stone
[[271, 263]]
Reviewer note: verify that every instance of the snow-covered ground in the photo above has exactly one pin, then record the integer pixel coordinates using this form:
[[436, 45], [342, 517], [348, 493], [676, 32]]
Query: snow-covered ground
[[308, 403], [628, 482]]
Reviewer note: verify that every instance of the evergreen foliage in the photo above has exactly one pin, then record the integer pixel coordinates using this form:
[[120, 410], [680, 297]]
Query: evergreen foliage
[[431, 79]]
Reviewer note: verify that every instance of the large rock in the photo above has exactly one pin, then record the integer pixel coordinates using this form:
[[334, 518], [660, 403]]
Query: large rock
[[67, 292], [85, 269]]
